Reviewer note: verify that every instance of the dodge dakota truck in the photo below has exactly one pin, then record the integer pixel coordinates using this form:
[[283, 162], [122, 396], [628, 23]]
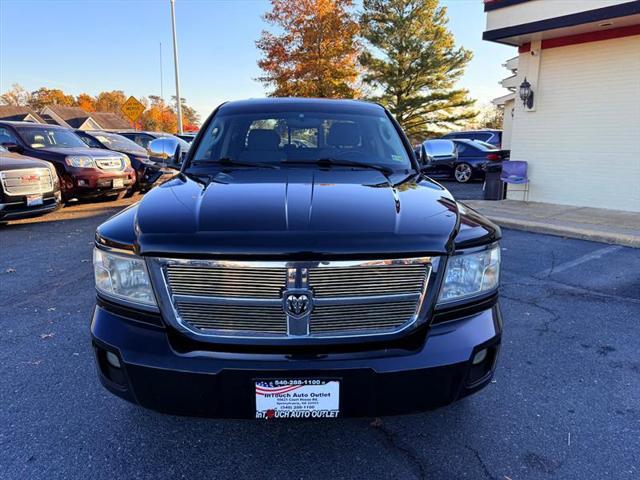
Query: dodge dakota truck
[[300, 265]]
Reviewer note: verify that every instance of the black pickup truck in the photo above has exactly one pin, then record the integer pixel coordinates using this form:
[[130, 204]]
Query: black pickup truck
[[301, 265]]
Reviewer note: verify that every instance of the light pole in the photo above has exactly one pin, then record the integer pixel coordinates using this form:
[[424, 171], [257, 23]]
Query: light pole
[[175, 64]]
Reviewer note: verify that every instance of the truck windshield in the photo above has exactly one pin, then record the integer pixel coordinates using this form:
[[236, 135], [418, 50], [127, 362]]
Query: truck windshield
[[43, 137], [299, 137]]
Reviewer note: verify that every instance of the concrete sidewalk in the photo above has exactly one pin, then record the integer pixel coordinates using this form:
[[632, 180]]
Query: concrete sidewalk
[[595, 224]]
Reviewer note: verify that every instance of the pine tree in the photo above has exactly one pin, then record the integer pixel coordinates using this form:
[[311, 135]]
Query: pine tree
[[415, 65], [316, 53]]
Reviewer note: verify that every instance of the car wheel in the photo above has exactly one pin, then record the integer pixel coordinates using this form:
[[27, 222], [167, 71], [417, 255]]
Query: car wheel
[[462, 173]]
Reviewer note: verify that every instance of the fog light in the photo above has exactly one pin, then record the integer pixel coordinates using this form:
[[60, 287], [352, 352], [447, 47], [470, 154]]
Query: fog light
[[479, 357], [83, 183], [113, 360]]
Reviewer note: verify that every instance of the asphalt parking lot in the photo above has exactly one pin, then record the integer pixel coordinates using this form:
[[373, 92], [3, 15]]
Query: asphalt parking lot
[[565, 403]]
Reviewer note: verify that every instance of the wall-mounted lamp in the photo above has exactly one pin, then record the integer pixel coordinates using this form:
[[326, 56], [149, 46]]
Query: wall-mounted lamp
[[526, 94]]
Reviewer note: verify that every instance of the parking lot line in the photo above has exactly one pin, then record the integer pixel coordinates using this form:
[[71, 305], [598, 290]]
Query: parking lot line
[[578, 261]]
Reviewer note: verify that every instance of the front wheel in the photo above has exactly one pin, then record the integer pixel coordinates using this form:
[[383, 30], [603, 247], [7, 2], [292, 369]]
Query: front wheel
[[462, 173]]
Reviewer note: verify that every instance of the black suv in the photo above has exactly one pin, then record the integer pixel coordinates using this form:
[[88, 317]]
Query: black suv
[[270, 280]]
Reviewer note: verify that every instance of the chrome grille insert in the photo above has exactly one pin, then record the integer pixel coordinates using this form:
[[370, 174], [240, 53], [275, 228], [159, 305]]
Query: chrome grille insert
[[366, 280], [234, 318], [27, 181], [227, 282], [344, 318], [204, 298], [110, 163]]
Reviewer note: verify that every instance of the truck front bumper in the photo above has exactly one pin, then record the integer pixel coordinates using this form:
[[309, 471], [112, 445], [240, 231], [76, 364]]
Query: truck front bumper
[[154, 375]]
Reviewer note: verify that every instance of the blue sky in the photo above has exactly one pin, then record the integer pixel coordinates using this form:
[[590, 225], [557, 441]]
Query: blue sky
[[95, 45]]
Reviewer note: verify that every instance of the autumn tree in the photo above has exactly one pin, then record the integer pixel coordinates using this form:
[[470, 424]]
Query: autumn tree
[[158, 116], [50, 96], [491, 117], [316, 53], [413, 64], [17, 96], [190, 118], [110, 101], [86, 102]]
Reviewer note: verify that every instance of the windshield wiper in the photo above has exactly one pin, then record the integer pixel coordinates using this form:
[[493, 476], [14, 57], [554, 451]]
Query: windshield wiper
[[230, 161], [328, 162], [209, 177]]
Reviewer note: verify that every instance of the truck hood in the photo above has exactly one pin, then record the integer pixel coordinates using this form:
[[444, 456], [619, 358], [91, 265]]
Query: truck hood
[[292, 212], [13, 161]]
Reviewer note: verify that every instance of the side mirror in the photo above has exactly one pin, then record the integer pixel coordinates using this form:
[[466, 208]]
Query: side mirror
[[13, 147], [165, 151]]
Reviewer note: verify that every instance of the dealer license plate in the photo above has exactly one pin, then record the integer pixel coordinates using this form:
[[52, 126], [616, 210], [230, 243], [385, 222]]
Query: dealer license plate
[[297, 398], [118, 183], [33, 200]]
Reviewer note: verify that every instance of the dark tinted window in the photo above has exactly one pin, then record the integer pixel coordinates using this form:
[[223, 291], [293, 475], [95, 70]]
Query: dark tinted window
[[45, 137], [304, 137], [7, 136], [90, 141]]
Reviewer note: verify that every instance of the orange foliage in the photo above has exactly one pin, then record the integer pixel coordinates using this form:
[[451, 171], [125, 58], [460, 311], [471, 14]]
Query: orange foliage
[[86, 102], [110, 101], [50, 96], [159, 117], [316, 54]]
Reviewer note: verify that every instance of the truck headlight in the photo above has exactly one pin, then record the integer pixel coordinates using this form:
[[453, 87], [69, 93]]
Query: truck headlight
[[126, 161], [123, 277], [470, 275], [80, 161]]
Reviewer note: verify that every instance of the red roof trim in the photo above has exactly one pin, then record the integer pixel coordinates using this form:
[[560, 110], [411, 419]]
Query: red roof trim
[[588, 37], [592, 37]]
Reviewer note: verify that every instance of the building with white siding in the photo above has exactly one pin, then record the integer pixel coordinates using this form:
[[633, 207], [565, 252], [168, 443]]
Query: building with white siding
[[581, 132]]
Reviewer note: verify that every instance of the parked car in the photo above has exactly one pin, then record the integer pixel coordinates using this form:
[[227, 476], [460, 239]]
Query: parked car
[[143, 138], [271, 281], [84, 172], [469, 163], [148, 173], [494, 137], [28, 187]]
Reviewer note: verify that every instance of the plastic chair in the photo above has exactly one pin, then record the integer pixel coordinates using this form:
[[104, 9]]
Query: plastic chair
[[515, 172]]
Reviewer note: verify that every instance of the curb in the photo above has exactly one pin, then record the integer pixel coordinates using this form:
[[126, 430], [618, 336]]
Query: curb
[[623, 239]]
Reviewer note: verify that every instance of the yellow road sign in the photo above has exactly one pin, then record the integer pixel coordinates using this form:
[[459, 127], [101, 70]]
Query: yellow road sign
[[132, 108]]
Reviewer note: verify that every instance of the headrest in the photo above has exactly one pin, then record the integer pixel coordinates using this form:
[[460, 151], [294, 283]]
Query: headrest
[[263, 139], [344, 135]]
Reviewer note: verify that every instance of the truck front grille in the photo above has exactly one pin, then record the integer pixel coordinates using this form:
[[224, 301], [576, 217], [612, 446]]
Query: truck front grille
[[259, 299], [27, 181]]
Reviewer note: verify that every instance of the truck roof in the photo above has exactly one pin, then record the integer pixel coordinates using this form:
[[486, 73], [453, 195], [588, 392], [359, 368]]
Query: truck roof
[[305, 104]]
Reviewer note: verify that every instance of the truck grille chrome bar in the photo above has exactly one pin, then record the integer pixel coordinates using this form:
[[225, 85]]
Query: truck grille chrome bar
[[27, 181], [330, 299]]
